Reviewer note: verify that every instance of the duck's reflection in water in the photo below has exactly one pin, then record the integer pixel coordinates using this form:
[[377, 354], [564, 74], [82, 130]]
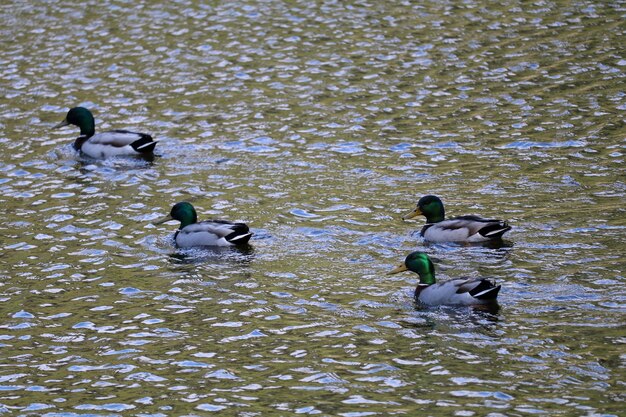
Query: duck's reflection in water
[[241, 255]]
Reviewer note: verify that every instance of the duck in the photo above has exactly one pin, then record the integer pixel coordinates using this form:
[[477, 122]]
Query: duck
[[106, 144], [192, 233], [454, 292], [463, 229]]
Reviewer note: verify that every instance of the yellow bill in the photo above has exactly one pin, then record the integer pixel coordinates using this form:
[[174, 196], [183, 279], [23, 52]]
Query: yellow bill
[[400, 268], [163, 219], [63, 123], [412, 214]]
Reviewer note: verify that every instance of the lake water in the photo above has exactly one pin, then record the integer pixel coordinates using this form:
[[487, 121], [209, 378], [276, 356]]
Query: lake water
[[319, 124]]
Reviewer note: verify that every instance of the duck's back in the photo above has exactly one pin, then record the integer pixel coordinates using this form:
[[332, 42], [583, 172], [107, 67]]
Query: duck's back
[[213, 233], [468, 228], [461, 291], [116, 143]]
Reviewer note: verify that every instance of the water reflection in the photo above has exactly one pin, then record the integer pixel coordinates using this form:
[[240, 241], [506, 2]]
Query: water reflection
[[493, 245], [308, 119], [239, 256], [469, 318]]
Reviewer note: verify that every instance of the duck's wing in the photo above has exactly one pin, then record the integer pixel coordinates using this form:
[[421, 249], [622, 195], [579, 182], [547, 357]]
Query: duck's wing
[[144, 144], [213, 233], [461, 291], [465, 229], [118, 142], [479, 288], [118, 138]]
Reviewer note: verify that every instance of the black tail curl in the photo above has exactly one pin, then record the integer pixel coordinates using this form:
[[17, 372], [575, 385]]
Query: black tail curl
[[240, 235], [144, 145], [486, 290], [495, 231]]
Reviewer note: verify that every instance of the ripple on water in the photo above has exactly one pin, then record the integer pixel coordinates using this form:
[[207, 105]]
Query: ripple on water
[[321, 144]]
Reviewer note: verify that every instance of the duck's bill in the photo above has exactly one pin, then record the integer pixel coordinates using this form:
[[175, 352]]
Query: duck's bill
[[412, 214], [400, 268], [63, 123], [163, 219]]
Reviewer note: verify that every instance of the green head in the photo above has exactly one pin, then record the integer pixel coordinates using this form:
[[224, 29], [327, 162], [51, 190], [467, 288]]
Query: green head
[[81, 117], [430, 206], [183, 212], [420, 263]]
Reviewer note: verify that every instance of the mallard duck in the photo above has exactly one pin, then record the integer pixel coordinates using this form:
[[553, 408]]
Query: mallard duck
[[105, 144], [469, 229], [206, 233], [460, 291]]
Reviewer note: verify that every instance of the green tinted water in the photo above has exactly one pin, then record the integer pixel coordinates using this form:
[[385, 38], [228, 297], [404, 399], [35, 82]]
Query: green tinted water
[[319, 124]]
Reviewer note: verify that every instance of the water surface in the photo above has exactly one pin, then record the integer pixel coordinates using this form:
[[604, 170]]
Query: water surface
[[319, 124]]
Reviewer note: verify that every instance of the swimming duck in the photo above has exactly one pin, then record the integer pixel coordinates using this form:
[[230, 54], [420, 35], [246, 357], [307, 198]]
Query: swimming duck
[[460, 291], [468, 229], [105, 144], [206, 233]]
